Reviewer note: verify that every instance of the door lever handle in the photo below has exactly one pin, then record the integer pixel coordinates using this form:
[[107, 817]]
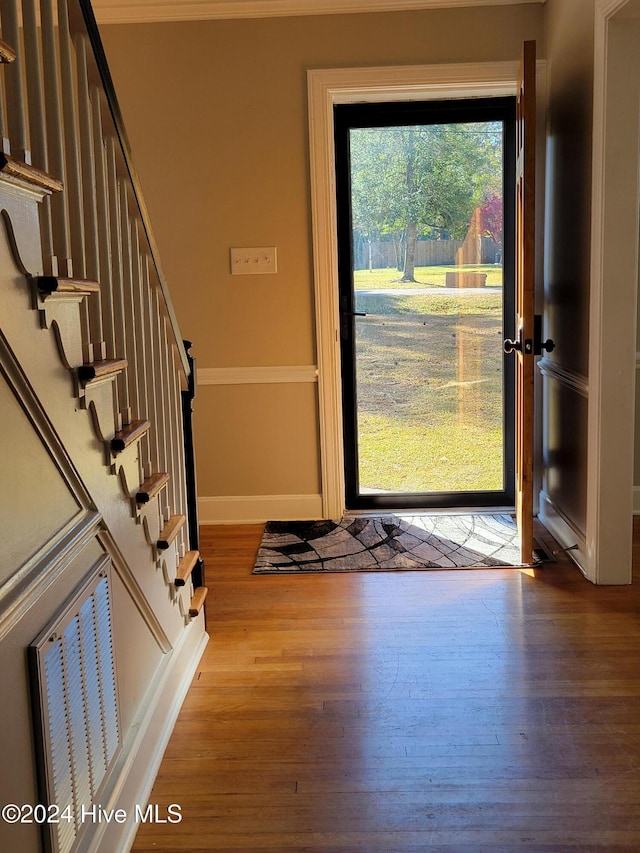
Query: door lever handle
[[345, 326], [539, 344], [524, 346]]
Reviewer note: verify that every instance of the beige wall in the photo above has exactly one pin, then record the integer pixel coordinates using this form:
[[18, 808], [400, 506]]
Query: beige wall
[[216, 114], [570, 46]]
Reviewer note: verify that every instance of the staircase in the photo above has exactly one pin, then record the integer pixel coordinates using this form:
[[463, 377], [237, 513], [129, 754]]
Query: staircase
[[97, 392]]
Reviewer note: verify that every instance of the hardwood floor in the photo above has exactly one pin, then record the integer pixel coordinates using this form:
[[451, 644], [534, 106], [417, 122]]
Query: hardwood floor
[[449, 712]]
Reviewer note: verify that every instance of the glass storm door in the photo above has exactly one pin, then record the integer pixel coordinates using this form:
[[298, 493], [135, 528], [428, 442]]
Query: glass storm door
[[426, 265]]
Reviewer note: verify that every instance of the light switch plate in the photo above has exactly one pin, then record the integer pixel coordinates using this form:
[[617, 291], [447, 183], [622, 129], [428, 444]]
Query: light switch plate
[[256, 261]]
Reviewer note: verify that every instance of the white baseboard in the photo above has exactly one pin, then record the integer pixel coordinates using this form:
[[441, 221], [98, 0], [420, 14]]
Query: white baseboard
[[255, 509], [564, 532], [144, 745]]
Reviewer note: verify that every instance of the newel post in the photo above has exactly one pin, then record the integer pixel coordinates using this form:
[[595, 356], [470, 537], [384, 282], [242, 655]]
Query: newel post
[[190, 466]]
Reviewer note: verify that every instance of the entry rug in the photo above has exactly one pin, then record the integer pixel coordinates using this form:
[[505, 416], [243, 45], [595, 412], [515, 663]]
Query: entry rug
[[389, 543]]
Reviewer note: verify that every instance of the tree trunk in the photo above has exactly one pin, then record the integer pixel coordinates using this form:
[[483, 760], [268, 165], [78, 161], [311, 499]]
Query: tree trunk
[[408, 274], [398, 245]]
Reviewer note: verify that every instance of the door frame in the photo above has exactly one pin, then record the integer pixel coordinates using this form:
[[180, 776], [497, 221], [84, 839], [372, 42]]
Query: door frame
[[327, 87], [613, 361], [454, 111]]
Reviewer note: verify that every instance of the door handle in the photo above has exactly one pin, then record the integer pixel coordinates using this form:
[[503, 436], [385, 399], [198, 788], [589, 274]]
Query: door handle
[[539, 344], [344, 323], [534, 347], [525, 347]]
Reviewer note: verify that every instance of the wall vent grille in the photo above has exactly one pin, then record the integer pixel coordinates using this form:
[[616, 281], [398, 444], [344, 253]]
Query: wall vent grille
[[77, 715]]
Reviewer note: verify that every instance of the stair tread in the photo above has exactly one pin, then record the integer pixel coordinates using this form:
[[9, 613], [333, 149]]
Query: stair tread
[[185, 567], [98, 369], [197, 602], [170, 531], [56, 284], [151, 486], [129, 434], [26, 172]]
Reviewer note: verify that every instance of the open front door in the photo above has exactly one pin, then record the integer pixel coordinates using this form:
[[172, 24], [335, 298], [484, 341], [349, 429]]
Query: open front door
[[524, 346]]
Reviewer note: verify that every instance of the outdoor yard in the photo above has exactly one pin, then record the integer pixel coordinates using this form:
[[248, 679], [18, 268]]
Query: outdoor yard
[[429, 378], [435, 276]]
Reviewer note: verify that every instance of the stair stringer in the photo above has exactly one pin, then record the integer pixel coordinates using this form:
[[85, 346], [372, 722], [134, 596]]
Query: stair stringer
[[37, 352], [96, 399]]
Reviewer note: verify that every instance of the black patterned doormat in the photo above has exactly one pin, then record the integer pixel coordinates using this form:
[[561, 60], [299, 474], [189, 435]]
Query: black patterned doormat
[[389, 543]]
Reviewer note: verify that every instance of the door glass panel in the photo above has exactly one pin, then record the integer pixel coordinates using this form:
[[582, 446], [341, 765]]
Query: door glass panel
[[427, 257]]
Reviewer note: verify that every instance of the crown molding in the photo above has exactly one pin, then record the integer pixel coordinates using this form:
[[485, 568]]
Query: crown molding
[[147, 11]]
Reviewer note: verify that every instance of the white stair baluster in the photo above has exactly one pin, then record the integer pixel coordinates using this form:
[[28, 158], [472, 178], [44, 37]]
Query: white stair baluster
[[37, 125], [141, 340], [116, 272], [73, 182], [150, 361], [55, 138], [127, 292], [14, 83], [104, 232], [90, 205]]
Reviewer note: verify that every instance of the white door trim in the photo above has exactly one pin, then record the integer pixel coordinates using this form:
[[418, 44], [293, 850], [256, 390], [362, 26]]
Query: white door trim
[[612, 316], [326, 88]]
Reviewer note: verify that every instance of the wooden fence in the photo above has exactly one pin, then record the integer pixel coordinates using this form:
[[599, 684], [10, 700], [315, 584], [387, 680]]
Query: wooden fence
[[428, 253]]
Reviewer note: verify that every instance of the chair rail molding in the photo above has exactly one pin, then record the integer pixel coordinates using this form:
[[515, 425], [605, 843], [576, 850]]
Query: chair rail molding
[[271, 375]]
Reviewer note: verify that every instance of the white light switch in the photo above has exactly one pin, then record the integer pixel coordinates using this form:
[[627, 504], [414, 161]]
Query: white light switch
[[260, 261]]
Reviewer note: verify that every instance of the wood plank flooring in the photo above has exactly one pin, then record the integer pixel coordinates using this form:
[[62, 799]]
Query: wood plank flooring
[[448, 712]]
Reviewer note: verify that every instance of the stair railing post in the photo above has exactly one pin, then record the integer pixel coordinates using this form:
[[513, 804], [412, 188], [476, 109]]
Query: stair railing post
[[175, 426], [188, 397]]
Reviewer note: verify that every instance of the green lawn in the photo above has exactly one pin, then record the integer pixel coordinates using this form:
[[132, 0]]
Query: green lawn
[[425, 276], [430, 392]]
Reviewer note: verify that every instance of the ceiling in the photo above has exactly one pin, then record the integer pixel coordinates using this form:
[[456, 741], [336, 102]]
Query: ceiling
[[135, 11]]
